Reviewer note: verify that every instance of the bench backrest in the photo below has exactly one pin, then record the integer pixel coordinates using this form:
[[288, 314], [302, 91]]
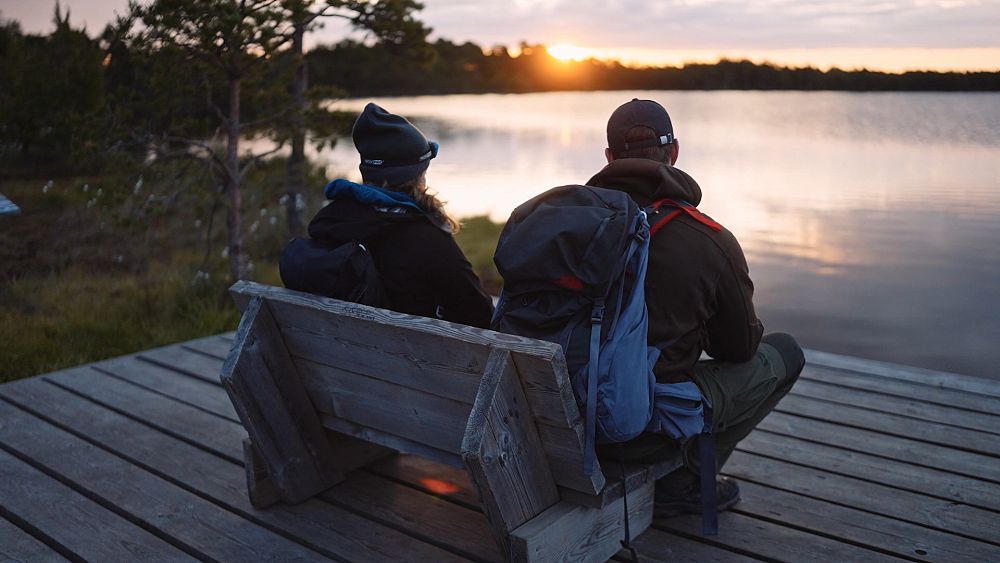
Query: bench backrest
[[425, 386]]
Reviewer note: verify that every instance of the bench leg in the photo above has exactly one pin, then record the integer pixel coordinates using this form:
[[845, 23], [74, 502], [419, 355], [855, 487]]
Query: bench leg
[[570, 532], [260, 487]]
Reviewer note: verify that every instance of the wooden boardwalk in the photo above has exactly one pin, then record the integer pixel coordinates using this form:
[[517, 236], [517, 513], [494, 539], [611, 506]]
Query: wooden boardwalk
[[139, 459]]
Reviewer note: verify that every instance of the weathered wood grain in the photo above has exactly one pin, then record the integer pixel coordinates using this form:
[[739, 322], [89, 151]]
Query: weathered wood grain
[[79, 524], [460, 530], [327, 529], [390, 441], [928, 377], [242, 291], [657, 545], [402, 411], [18, 546], [913, 452], [772, 541], [910, 507], [503, 452], [181, 360], [260, 488], [930, 482], [888, 423], [196, 392], [635, 477], [160, 505], [218, 435], [845, 523], [275, 409], [904, 389], [880, 402], [570, 532]]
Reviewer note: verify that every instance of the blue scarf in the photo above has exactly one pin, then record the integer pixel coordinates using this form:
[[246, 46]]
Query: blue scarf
[[341, 188]]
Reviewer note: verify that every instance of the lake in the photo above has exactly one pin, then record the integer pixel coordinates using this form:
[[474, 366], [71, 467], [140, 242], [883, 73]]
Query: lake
[[871, 222]]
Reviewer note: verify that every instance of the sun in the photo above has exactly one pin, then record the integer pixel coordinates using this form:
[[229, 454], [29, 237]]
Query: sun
[[565, 53]]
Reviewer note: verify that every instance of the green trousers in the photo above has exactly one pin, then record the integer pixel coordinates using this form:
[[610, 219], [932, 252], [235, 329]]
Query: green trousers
[[741, 395]]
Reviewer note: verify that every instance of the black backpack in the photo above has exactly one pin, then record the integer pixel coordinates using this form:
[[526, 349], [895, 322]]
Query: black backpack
[[345, 271]]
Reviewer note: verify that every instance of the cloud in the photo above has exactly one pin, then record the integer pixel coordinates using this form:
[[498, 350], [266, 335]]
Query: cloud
[[722, 24]]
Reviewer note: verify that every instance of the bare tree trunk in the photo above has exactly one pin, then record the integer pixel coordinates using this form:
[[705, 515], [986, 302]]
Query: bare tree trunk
[[296, 161], [237, 262]]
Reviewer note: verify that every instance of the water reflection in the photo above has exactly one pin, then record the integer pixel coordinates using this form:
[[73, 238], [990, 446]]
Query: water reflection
[[869, 220]]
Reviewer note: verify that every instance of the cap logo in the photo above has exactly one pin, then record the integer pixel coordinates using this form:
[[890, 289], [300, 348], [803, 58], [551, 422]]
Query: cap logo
[[426, 156], [374, 161]]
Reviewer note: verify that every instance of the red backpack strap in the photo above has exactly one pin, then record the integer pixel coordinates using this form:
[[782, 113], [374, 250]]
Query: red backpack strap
[[681, 207]]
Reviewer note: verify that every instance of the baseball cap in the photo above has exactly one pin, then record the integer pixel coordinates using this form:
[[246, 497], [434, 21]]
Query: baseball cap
[[645, 113]]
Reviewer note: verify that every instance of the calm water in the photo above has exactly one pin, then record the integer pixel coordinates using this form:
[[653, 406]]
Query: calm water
[[871, 222]]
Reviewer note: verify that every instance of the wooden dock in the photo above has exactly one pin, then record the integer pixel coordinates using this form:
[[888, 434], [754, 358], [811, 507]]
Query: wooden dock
[[139, 459]]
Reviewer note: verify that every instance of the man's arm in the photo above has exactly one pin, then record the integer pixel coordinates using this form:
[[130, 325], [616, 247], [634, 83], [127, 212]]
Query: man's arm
[[734, 331]]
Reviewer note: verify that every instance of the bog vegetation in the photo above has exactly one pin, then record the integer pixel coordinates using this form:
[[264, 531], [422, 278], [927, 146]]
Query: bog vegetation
[[127, 152]]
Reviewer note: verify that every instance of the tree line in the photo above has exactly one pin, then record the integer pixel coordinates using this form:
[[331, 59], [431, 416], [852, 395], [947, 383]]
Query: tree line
[[191, 79], [362, 69]]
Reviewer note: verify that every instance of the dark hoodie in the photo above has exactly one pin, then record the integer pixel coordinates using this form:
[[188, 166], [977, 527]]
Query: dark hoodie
[[421, 267], [698, 288]]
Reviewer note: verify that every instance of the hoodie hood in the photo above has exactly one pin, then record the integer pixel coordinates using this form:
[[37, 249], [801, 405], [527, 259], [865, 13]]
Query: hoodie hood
[[648, 181], [358, 212]]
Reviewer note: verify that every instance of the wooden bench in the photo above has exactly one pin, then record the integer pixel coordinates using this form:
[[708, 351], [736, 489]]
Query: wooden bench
[[324, 387]]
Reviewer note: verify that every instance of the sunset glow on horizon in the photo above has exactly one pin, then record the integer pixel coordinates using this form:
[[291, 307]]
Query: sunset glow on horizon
[[897, 36]]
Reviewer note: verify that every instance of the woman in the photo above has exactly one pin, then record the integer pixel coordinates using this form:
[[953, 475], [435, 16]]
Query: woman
[[405, 228]]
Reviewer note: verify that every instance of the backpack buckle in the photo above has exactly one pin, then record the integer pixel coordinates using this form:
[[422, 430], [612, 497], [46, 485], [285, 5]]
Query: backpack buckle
[[597, 314]]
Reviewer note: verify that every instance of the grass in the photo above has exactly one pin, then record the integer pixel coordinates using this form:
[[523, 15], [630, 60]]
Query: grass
[[96, 267]]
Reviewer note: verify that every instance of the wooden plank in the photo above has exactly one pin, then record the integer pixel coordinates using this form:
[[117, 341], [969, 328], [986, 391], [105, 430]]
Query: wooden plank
[[657, 545], [178, 419], [919, 410], [901, 388], [373, 403], [887, 501], [390, 441], [893, 536], [327, 529], [922, 480], [18, 546], [635, 476], [771, 541], [503, 452], [80, 525], [570, 532], [242, 291], [928, 377], [902, 449], [158, 504], [460, 530], [887, 423], [434, 365], [196, 392], [446, 482], [181, 360], [273, 405]]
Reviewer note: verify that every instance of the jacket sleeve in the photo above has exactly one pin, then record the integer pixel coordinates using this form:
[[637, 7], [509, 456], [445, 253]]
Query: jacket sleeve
[[457, 288], [734, 331]]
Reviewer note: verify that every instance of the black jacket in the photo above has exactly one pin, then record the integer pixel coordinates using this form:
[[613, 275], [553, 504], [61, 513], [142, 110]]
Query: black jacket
[[698, 288], [421, 267]]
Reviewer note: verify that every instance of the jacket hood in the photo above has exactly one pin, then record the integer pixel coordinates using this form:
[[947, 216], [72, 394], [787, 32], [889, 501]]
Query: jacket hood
[[648, 181], [357, 212]]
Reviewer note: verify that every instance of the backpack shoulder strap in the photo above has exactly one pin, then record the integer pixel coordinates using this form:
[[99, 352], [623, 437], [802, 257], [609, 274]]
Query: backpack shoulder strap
[[680, 207]]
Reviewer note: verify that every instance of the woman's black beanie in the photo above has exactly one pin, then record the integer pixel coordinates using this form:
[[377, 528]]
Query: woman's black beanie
[[392, 149]]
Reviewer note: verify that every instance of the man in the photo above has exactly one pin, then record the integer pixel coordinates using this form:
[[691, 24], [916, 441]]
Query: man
[[699, 297]]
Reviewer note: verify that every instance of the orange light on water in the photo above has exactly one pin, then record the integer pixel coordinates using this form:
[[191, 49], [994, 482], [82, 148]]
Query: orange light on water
[[438, 486]]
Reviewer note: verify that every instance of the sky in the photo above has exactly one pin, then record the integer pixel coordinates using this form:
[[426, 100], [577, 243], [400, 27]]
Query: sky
[[892, 35]]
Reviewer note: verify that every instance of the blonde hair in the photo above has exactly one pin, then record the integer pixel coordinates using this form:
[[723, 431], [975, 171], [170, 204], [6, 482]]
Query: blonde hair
[[428, 201]]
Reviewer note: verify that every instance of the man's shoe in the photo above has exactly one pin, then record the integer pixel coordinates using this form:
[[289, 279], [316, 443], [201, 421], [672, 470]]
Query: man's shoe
[[669, 502]]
